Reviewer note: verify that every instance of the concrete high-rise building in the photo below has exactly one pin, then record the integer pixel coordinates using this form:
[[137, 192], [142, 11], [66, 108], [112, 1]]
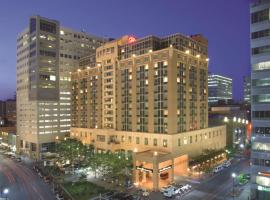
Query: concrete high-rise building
[[147, 96], [47, 54], [260, 95], [219, 88], [247, 89]]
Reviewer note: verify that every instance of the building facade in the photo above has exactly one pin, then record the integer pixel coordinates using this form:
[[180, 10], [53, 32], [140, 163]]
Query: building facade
[[8, 112], [237, 121], [260, 95], [220, 88], [47, 54], [147, 96], [247, 89]]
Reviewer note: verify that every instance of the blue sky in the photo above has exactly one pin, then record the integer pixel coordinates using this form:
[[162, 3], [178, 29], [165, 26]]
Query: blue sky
[[224, 22]]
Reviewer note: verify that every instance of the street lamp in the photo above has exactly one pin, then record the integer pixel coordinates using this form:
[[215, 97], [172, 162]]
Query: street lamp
[[233, 177], [234, 119], [5, 192]]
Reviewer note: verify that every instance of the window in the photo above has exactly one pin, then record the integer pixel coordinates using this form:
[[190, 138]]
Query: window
[[32, 25], [261, 66], [145, 141], [129, 139], [52, 78], [259, 16], [258, 146], [260, 34], [262, 98], [165, 143], [261, 162], [190, 139], [179, 142], [101, 138], [261, 50], [47, 26], [261, 114], [155, 142], [137, 140], [47, 53], [261, 82], [262, 130]]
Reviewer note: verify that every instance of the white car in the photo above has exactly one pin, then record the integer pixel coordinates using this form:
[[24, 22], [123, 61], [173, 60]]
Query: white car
[[227, 163], [171, 191], [186, 188], [163, 189], [218, 169]]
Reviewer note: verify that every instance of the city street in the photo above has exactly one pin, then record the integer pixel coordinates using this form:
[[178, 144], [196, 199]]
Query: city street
[[220, 185], [217, 187], [22, 182]]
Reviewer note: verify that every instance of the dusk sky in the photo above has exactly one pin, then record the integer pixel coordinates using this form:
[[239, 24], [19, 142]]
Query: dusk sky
[[225, 23]]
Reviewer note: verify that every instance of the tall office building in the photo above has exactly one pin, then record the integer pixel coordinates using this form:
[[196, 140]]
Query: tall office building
[[260, 92], [247, 89], [147, 95], [47, 54], [219, 88]]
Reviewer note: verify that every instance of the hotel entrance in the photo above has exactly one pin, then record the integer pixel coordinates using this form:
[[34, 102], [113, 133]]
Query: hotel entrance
[[153, 169]]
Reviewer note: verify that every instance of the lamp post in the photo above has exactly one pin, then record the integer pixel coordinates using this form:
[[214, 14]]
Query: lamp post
[[5, 192], [233, 177]]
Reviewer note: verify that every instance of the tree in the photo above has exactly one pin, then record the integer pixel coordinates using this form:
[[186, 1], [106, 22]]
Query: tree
[[71, 151]]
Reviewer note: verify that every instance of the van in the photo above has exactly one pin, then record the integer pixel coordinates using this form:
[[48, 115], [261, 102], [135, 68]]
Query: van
[[217, 169]]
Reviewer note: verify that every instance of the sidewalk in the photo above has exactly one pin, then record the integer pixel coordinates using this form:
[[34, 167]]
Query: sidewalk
[[245, 194]]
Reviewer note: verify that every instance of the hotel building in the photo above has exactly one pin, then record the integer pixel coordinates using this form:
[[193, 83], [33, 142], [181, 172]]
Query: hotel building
[[148, 97], [47, 54], [260, 99], [220, 88]]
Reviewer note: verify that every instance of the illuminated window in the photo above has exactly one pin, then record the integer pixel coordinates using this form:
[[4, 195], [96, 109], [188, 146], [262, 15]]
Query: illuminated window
[[165, 143], [52, 78]]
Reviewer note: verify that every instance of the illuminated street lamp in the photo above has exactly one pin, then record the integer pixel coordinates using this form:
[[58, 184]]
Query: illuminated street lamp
[[5, 192], [226, 119], [239, 120]]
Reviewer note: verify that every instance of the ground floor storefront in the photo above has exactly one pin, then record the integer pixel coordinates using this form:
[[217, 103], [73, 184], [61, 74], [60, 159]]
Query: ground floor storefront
[[156, 169]]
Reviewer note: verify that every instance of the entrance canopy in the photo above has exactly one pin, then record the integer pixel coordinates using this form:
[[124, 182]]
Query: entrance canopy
[[155, 169]]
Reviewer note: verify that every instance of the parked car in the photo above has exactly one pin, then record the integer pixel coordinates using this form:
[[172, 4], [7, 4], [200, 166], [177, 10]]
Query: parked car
[[186, 188], [227, 163], [163, 189], [170, 192], [218, 169]]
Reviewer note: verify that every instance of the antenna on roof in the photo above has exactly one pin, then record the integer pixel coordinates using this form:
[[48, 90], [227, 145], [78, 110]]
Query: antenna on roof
[[83, 30]]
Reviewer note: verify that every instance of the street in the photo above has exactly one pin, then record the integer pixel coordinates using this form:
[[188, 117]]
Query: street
[[22, 182], [220, 185], [216, 187]]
